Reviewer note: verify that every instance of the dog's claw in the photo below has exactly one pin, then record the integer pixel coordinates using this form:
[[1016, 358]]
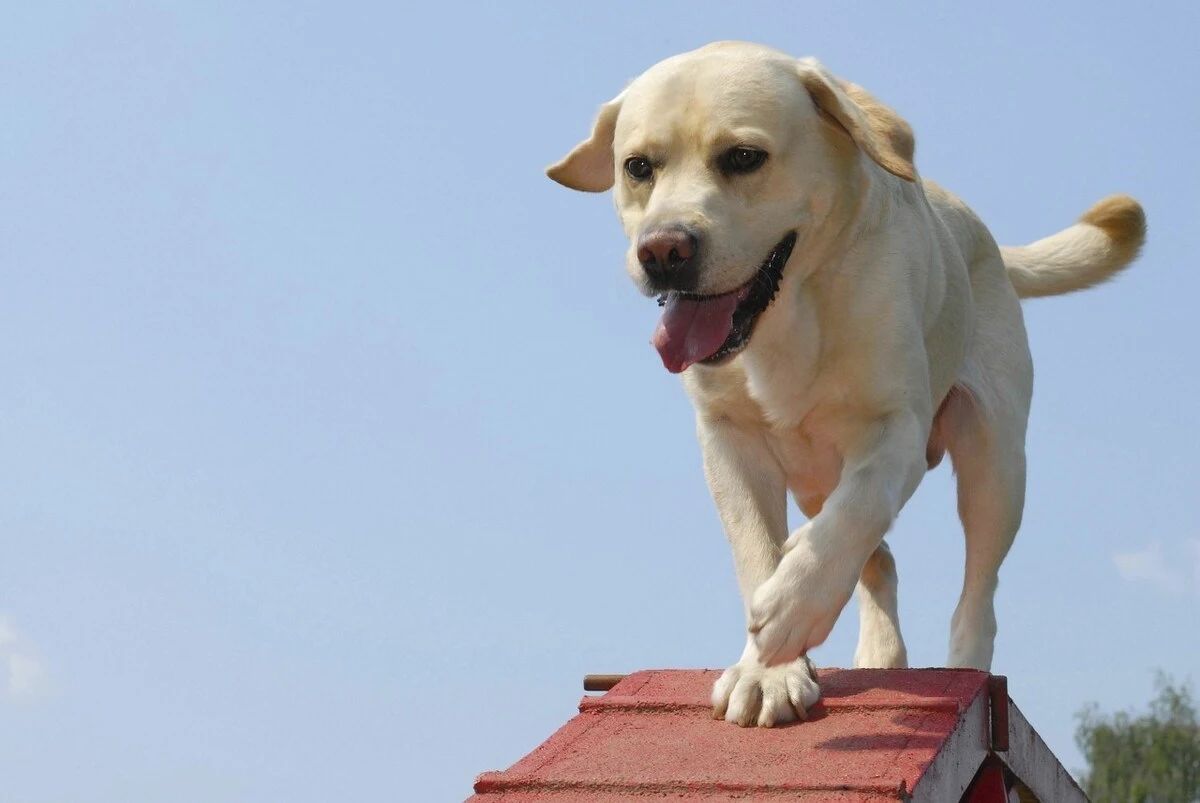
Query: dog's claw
[[749, 693]]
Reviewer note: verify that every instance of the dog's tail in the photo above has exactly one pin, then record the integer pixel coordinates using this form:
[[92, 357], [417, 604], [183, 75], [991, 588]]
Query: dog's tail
[[1105, 240]]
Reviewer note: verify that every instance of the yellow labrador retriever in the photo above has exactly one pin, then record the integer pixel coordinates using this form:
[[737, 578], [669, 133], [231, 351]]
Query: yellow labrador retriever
[[840, 324]]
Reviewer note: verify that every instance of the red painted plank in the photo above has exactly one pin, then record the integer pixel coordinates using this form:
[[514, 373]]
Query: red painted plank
[[989, 786], [652, 736]]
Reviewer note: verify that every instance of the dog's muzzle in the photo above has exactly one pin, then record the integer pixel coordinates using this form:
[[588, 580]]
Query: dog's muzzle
[[710, 329]]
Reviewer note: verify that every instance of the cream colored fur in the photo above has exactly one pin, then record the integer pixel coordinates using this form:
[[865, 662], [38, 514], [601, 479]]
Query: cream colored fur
[[896, 335]]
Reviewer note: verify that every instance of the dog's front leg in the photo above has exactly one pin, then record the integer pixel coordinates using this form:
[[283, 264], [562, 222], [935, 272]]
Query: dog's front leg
[[750, 490], [794, 610]]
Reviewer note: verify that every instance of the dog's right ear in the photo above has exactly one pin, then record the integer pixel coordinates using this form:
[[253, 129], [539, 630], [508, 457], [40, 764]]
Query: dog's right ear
[[590, 166]]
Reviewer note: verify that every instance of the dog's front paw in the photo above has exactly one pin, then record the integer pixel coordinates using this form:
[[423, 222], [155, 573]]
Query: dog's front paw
[[749, 693], [796, 608]]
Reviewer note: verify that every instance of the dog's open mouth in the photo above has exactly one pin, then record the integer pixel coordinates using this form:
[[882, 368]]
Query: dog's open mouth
[[709, 329]]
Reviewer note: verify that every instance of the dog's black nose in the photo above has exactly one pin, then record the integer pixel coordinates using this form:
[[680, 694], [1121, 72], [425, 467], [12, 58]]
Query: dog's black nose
[[668, 256]]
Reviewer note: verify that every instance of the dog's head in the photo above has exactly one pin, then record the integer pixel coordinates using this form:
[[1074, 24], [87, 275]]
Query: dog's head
[[720, 160]]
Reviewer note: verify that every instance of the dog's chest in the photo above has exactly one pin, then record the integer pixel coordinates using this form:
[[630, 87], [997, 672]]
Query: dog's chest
[[811, 464], [800, 429]]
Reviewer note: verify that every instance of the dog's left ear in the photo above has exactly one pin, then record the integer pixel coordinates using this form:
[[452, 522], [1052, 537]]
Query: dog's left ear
[[877, 130], [590, 166]]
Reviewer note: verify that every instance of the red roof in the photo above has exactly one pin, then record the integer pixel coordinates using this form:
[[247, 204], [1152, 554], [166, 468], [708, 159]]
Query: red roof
[[875, 735]]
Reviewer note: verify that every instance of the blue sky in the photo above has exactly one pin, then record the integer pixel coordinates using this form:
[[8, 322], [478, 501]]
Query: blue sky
[[334, 451]]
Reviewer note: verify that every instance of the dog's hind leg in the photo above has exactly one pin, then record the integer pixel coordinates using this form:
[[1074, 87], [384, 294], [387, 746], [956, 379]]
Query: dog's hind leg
[[987, 448], [880, 645]]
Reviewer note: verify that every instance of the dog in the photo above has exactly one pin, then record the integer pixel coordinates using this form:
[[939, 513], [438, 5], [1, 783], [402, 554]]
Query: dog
[[840, 324]]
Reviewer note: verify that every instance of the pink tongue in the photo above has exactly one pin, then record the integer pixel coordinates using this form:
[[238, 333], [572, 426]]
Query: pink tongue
[[692, 329]]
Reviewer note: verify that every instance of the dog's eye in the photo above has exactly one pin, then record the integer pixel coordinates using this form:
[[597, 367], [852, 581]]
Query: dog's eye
[[638, 168], [742, 160]]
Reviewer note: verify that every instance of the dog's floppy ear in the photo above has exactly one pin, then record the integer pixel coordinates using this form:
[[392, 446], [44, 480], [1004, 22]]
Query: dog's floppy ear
[[589, 167], [877, 130]]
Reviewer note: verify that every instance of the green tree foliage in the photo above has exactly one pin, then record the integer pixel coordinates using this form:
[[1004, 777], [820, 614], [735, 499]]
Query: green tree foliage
[[1146, 758]]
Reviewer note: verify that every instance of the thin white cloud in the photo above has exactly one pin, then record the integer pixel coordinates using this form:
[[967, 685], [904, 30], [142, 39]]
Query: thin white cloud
[[22, 674], [1152, 565]]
